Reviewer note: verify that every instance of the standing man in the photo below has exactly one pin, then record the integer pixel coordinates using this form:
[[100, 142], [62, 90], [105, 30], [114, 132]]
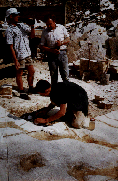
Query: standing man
[[53, 41], [17, 37]]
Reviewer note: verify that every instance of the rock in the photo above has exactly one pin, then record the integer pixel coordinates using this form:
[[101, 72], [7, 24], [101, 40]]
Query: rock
[[71, 54], [6, 91], [97, 68], [105, 105], [86, 76], [83, 65], [76, 64], [97, 99], [104, 79], [113, 43]]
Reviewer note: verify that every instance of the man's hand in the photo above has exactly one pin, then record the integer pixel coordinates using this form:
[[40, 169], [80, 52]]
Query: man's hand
[[58, 43], [17, 65], [55, 51], [31, 21], [40, 120]]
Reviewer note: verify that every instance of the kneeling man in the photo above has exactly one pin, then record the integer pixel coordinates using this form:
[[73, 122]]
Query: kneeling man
[[69, 96]]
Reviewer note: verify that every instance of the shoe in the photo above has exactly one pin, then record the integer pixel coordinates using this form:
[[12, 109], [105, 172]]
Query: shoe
[[24, 96]]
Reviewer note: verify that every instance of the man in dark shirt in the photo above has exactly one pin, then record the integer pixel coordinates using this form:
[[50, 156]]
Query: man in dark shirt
[[66, 95]]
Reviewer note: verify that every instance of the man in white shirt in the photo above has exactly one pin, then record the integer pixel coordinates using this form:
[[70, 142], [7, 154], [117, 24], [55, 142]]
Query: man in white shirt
[[17, 37], [54, 41]]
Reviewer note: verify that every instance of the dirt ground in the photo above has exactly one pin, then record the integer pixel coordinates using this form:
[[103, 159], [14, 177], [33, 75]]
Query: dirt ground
[[7, 76]]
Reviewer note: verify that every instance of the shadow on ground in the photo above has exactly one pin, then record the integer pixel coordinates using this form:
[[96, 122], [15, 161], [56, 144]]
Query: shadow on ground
[[8, 72]]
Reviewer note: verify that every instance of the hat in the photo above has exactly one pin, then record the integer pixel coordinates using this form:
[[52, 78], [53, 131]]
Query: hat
[[11, 11]]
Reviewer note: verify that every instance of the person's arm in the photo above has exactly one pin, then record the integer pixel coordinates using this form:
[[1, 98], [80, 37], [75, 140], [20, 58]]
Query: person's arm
[[45, 110], [32, 34], [17, 64], [54, 117], [26, 27], [9, 41], [58, 43], [50, 50], [64, 42], [44, 47]]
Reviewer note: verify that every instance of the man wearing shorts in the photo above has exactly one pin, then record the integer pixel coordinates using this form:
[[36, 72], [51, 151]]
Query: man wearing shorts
[[69, 96], [17, 37]]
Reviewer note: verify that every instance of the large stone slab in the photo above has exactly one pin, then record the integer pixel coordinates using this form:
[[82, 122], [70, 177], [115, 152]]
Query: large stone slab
[[61, 158]]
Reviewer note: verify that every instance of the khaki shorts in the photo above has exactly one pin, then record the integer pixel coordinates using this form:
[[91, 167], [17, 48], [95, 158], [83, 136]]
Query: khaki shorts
[[26, 61]]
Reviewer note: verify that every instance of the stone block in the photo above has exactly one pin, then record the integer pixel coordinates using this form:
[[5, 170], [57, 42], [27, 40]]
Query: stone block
[[113, 43], [6, 91], [113, 67], [105, 105], [97, 68], [83, 65], [104, 79], [97, 99], [71, 54], [76, 64], [86, 76]]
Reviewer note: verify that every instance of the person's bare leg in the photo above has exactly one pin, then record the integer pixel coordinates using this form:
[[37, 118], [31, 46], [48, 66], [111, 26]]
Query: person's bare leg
[[19, 81], [30, 76]]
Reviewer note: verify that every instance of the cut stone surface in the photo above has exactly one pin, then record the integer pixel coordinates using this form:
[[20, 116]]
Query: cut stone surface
[[59, 160], [109, 119], [84, 154], [29, 127]]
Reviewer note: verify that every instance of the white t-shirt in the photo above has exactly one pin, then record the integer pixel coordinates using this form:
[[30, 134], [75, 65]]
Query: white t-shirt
[[19, 37], [49, 38]]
